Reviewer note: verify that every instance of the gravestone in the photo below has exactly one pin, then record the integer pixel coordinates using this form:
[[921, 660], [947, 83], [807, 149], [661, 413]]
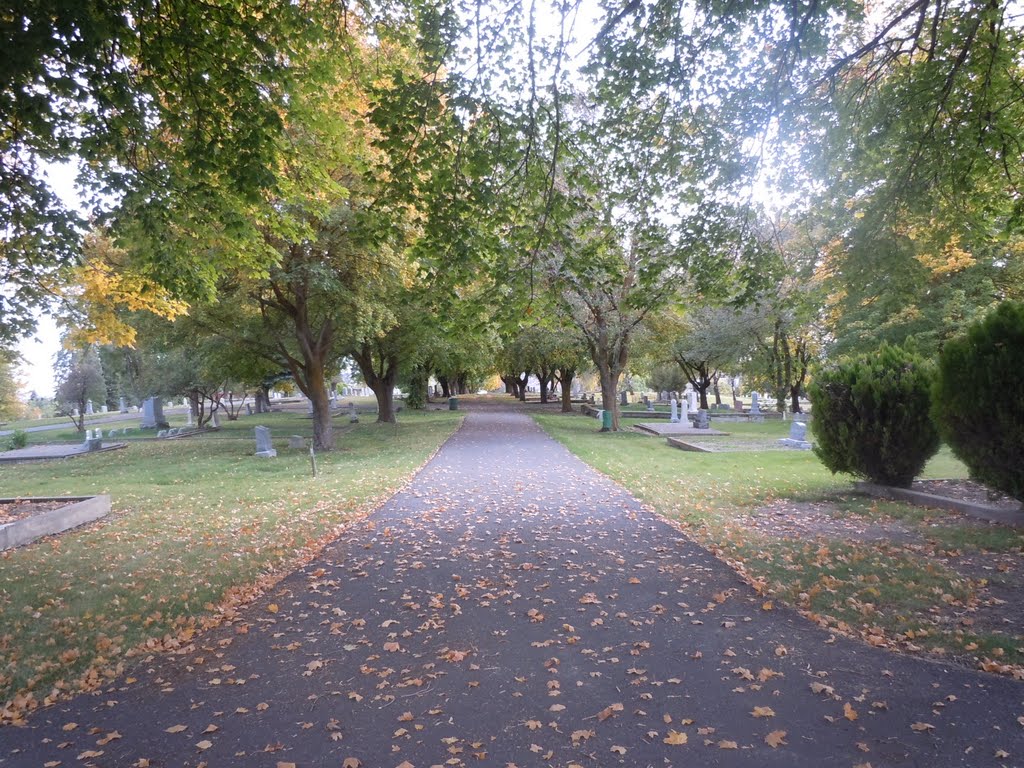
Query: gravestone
[[103, 409], [122, 405], [74, 412], [623, 400], [264, 448], [93, 440], [162, 433], [173, 431], [88, 408], [674, 415], [153, 414], [593, 400], [215, 418], [353, 417], [650, 405], [188, 417], [755, 407], [701, 419], [248, 408], [692, 406], [797, 436], [297, 441]]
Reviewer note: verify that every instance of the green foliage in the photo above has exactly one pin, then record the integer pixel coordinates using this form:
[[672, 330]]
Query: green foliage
[[979, 398], [18, 439], [871, 416]]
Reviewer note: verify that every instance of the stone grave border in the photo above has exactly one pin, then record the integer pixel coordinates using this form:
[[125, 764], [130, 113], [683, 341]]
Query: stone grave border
[[920, 498], [79, 510]]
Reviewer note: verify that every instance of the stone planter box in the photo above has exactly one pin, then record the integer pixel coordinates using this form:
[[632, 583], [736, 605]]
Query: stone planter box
[[78, 511]]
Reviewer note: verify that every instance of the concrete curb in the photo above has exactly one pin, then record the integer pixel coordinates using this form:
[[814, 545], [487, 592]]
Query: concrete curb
[[972, 509], [81, 510], [684, 446]]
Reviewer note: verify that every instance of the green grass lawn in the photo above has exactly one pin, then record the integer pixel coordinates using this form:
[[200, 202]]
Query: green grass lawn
[[193, 521], [884, 593]]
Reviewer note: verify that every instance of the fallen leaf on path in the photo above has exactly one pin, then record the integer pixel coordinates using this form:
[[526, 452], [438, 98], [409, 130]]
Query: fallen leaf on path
[[775, 739], [675, 738]]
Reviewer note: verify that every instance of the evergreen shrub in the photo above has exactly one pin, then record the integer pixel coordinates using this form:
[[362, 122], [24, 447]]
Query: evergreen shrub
[[871, 416], [978, 400]]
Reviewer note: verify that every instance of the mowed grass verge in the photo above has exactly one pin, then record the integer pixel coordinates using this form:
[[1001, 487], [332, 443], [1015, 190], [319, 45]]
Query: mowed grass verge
[[196, 525], [889, 594]]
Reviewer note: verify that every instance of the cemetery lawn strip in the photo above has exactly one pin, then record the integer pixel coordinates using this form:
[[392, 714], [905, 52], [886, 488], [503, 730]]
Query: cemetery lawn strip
[[194, 522], [904, 595]]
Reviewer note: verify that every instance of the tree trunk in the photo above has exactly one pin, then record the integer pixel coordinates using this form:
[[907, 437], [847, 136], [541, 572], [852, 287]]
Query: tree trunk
[[522, 380], [381, 381], [445, 391], [543, 378], [566, 381], [316, 391], [510, 387], [609, 386], [717, 391], [702, 393]]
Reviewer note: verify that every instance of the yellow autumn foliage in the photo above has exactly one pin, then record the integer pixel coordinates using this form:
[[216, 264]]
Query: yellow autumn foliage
[[948, 260], [104, 287]]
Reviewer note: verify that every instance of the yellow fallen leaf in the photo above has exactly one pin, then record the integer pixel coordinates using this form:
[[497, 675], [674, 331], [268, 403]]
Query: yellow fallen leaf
[[619, 750], [90, 753], [675, 738], [763, 712], [728, 745], [176, 729], [775, 739], [281, 764], [405, 764], [204, 745], [51, 764], [211, 728], [273, 608], [849, 712], [920, 727], [351, 762]]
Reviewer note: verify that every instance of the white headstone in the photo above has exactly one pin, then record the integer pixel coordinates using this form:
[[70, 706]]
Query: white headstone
[[691, 402], [674, 417], [88, 408], [122, 405]]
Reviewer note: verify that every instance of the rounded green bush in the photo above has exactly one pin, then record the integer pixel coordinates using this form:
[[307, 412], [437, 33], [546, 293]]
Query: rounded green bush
[[979, 398], [871, 416]]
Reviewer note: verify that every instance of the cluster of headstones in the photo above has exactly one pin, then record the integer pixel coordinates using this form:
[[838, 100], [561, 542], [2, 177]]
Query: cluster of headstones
[[174, 431]]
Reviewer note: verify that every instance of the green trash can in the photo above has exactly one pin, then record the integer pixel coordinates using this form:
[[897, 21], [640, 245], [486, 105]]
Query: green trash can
[[453, 403], [606, 421]]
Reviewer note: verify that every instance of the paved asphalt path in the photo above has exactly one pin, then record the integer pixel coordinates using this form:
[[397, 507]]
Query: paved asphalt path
[[513, 608]]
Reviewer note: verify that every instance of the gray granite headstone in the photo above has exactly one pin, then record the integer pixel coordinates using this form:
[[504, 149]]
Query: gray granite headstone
[[153, 414], [353, 417], [623, 399], [755, 407], [264, 448], [103, 409], [674, 415], [701, 420], [122, 405], [215, 418], [797, 436], [88, 408], [297, 441], [188, 417], [650, 405]]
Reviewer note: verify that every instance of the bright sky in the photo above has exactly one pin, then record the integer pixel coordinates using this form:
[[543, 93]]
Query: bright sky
[[36, 371]]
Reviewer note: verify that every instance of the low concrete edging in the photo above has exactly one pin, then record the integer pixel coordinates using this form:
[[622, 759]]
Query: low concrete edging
[[80, 510], [972, 509], [685, 446]]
